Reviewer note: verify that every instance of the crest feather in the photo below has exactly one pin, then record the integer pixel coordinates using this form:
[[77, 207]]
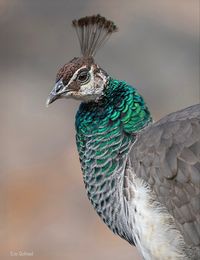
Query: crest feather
[[92, 32]]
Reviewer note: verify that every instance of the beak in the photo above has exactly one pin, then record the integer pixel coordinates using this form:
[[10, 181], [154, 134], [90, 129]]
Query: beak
[[56, 92]]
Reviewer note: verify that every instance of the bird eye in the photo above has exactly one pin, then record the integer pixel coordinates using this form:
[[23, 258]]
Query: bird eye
[[83, 76]]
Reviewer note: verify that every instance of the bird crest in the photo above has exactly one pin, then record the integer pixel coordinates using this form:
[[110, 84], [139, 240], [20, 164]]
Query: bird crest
[[93, 31]]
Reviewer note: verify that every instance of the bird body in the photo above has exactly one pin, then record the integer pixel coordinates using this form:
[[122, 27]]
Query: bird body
[[142, 178], [108, 152]]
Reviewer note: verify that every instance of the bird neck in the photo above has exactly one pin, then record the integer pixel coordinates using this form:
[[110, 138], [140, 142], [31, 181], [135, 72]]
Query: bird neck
[[105, 131]]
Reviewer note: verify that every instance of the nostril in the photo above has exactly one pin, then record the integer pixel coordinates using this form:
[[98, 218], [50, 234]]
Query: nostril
[[58, 88]]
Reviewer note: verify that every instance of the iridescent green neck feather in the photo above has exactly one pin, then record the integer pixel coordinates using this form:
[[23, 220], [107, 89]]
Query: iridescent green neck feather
[[105, 132], [106, 129]]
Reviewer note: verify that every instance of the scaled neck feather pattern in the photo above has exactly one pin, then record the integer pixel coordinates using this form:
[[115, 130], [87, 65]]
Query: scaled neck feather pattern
[[105, 132]]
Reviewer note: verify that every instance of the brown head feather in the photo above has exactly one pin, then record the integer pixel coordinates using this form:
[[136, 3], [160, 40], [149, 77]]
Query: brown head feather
[[68, 70]]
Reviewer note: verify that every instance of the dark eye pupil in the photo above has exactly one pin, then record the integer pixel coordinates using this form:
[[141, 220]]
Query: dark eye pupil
[[83, 76]]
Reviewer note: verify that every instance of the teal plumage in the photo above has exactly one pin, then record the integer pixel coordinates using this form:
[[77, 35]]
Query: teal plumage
[[142, 178], [111, 124], [105, 133]]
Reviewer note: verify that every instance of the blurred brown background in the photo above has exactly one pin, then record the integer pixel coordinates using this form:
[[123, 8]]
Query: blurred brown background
[[43, 204]]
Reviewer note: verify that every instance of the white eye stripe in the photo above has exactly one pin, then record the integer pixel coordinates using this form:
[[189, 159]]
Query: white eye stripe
[[75, 75]]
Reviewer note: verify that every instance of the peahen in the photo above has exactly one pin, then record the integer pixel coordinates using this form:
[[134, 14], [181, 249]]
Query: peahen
[[142, 178]]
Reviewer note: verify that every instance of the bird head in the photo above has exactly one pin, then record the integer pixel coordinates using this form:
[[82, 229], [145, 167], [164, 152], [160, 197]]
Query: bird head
[[82, 78]]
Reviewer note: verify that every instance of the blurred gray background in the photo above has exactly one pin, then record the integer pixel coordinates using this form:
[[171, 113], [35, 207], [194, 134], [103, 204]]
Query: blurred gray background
[[43, 204]]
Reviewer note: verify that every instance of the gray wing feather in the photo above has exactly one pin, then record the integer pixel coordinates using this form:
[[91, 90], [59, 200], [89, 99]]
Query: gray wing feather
[[167, 157]]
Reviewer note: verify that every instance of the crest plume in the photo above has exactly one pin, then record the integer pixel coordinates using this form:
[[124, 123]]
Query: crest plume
[[92, 32]]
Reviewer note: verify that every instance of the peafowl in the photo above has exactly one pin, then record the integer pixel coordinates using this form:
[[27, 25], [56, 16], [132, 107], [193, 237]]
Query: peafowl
[[142, 177]]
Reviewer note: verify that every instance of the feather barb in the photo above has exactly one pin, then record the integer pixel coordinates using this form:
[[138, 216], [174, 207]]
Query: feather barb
[[93, 31]]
